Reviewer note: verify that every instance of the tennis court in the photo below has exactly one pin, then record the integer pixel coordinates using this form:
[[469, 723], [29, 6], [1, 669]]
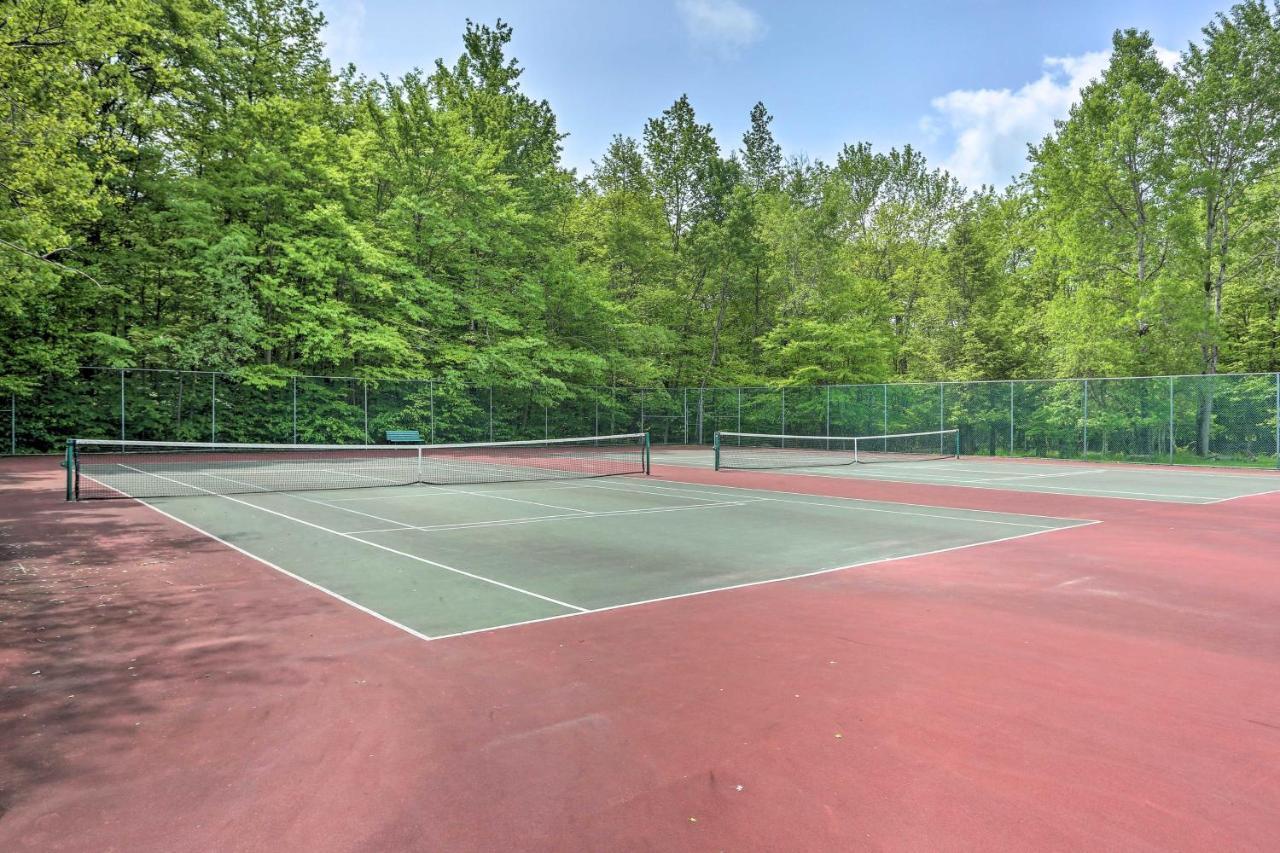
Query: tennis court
[[829, 457], [514, 540]]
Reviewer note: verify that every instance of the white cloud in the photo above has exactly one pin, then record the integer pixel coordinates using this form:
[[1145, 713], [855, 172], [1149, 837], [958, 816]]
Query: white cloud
[[343, 30], [989, 129], [726, 26], [1168, 58]]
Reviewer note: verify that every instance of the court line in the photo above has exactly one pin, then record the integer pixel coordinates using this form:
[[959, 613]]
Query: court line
[[1145, 468], [504, 522], [863, 472], [353, 538], [1158, 469], [445, 491], [712, 490], [1152, 497], [1240, 497], [746, 584], [1044, 476], [400, 525], [317, 501], [452, 490], [216, 538]]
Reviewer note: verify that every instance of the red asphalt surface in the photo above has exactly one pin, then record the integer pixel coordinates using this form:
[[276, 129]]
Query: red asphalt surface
[[1114, 686]]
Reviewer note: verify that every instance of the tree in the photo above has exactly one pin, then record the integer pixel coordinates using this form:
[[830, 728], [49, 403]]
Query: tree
[[761, 154], [1227, 132]]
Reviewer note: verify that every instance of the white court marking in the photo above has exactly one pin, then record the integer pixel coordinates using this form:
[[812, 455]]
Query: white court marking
[[506, 522], [353, 538], [921, 478], [578, 610], [967, 513]]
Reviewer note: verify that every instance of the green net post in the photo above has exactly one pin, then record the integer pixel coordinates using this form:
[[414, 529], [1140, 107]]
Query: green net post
[[957, 444], [715, 446], [646, 452], [70, 464]]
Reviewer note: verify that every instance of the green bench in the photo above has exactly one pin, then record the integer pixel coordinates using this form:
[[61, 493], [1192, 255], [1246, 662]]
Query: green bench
[[404, 436]]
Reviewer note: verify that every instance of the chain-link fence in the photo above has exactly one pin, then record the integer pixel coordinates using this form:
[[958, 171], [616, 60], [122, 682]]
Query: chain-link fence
[[1223, 419], [9, 424]]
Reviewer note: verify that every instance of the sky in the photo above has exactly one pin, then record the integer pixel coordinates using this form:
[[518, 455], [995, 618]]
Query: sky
[[970, 84]]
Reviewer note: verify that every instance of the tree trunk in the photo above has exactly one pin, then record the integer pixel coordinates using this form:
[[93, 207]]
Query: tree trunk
[[1204, 418]]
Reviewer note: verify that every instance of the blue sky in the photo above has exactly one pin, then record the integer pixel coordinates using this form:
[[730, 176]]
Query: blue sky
[[968, 83]]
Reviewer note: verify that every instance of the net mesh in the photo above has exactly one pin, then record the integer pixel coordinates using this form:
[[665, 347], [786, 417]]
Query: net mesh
[[755, 450], [139, 469]]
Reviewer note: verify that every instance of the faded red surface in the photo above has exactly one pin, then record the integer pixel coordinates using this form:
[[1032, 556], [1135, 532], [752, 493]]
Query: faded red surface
[[1111, 686]]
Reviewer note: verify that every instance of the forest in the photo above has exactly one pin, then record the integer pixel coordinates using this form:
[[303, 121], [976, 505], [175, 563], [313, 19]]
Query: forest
[[191, 184]]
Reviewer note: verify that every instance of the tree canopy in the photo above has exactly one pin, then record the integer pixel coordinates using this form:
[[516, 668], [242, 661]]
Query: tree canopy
[[190, 184]]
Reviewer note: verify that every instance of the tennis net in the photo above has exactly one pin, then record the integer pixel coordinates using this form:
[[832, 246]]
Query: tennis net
[[100, 468], [756, 450]]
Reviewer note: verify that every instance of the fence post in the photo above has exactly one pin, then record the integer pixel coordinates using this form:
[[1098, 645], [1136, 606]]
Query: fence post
[[784, 416], [491, 413], [739, 408], [1278, 420], [828, 411], [365, 384], [1012, 385], [213, 410], [942, 419], [613, 405], [642, 410], [546, 423], [596, 430], [294, 383], [702, 414], [684, 407], [122, 431], [1171, 432], [431, 407], [1085, 449], [885, 431], [13, 424]]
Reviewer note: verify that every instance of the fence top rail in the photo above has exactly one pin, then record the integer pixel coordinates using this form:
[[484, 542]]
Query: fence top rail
[[660, 389]]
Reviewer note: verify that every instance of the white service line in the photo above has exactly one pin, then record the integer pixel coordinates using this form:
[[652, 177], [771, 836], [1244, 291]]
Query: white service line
[[454, 489], [316, 501], [1043, 476], [646, 491], [767, 492], [513, 486], [506, 522], [974, 484], [353, 538]]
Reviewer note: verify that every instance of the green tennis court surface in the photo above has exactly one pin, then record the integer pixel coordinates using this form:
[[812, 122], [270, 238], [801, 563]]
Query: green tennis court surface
[[1173, 485], [445, 560]]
